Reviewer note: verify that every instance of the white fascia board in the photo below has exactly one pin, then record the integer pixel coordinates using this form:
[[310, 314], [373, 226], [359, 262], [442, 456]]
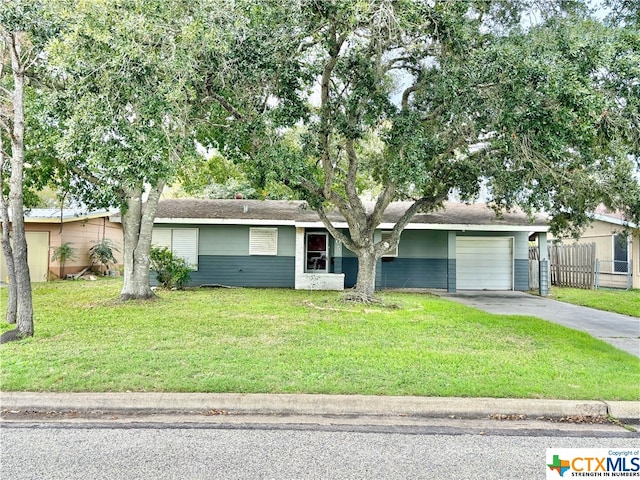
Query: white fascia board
[[67, 219], [614, 221], [223, 221], [321, 225], [344, 225], [469, 227]]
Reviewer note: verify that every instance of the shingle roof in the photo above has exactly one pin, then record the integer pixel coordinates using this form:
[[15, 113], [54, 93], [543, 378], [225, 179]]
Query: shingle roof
[[287, 211]]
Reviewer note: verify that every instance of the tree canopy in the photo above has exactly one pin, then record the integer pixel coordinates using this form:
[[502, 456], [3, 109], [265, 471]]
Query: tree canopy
[[415, 100], [534, 103]]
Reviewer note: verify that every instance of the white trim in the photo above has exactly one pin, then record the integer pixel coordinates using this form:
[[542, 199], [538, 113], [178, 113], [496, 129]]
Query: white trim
[[313, 281], [613, 254], [441, 226], [615, 221], [340, 225], [470, 228], [225, 221]]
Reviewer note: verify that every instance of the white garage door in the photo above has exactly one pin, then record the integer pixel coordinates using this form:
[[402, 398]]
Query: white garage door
[[484, 263]]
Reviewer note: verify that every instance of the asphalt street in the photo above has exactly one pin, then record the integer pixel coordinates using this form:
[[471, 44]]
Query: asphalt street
[[178, 451]]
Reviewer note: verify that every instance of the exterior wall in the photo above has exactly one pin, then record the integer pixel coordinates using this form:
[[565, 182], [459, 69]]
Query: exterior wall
[[224, 259], [81, 234], [333, 280], [421, 262], [37, 258], [426, 259], [600, 233]]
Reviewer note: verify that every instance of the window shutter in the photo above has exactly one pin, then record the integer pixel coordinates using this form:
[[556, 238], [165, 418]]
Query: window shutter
[[185, 244], [161, 237], [263, 241]]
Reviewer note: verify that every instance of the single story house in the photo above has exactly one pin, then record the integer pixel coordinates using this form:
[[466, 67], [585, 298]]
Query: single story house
[[48, 228], [617, 248], [279, 243]]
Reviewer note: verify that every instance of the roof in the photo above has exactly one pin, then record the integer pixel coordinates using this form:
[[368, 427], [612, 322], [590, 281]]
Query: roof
[[55, 215], [288, 212], [617, 218]]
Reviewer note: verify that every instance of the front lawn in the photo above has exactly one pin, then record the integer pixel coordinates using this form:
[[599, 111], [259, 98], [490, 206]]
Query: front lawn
[[626, 302], [285, 341]]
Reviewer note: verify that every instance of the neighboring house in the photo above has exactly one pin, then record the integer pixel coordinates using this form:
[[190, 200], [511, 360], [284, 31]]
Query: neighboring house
[[617, 244], [48, 228], [275, 243]]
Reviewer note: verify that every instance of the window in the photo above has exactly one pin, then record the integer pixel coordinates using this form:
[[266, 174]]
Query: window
[[263, 241], [183, 242], [394, 252], [620, 253], [317, 252]]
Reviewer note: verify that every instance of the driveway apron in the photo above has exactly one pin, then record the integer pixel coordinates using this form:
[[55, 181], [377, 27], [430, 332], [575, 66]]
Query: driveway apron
[[621, 331]]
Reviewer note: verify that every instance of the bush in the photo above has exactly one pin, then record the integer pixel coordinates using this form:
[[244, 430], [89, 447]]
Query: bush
[[101, 252], [171, 271], [63, 253]]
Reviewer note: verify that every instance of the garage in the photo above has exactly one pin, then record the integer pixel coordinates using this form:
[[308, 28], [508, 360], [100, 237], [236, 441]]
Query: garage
[[484, 263]]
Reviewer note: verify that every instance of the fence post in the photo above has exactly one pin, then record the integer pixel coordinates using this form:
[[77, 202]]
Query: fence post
[[597, 281], [543, 277]]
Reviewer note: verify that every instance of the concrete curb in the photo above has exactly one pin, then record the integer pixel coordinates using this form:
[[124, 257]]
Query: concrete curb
[[293, 404]]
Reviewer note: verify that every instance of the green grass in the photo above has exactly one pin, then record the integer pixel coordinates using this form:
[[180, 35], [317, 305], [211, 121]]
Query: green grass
[[626, 302], [285, 341]]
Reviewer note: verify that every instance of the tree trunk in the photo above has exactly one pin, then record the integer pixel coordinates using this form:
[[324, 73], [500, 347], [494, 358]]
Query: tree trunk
[[137, 226], [364, 291], [16, 203], [12, 298]]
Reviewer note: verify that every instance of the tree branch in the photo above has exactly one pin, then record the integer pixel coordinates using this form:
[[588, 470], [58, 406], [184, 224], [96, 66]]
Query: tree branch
[[335, 233], [405, 96], [226, 105], [325, 134], [432, 201]]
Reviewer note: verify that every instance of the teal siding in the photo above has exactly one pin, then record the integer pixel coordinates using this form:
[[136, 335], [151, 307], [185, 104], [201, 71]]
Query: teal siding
[[521, 274], [423, 244], [451, 275], [350, 270], [414, 273], [245, 271], [233, 240]]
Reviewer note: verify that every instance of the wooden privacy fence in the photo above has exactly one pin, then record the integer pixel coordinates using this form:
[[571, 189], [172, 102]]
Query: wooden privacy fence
[[569, 265]]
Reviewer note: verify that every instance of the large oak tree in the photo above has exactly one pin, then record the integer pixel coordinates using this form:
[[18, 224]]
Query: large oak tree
[[418, 100]]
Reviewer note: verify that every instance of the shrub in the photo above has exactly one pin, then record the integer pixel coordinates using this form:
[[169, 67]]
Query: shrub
[[171, 271], [102, 253], [63, 253]]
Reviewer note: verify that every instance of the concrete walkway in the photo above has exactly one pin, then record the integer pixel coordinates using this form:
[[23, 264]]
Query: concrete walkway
[[621, 331]]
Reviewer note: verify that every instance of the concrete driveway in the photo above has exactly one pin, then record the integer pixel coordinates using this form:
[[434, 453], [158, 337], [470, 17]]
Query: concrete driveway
[[621, 331]]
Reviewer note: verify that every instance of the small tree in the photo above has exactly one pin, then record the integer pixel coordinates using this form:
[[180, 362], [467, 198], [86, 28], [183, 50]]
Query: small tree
[[171, 271], [101, 252], [63, 253]]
